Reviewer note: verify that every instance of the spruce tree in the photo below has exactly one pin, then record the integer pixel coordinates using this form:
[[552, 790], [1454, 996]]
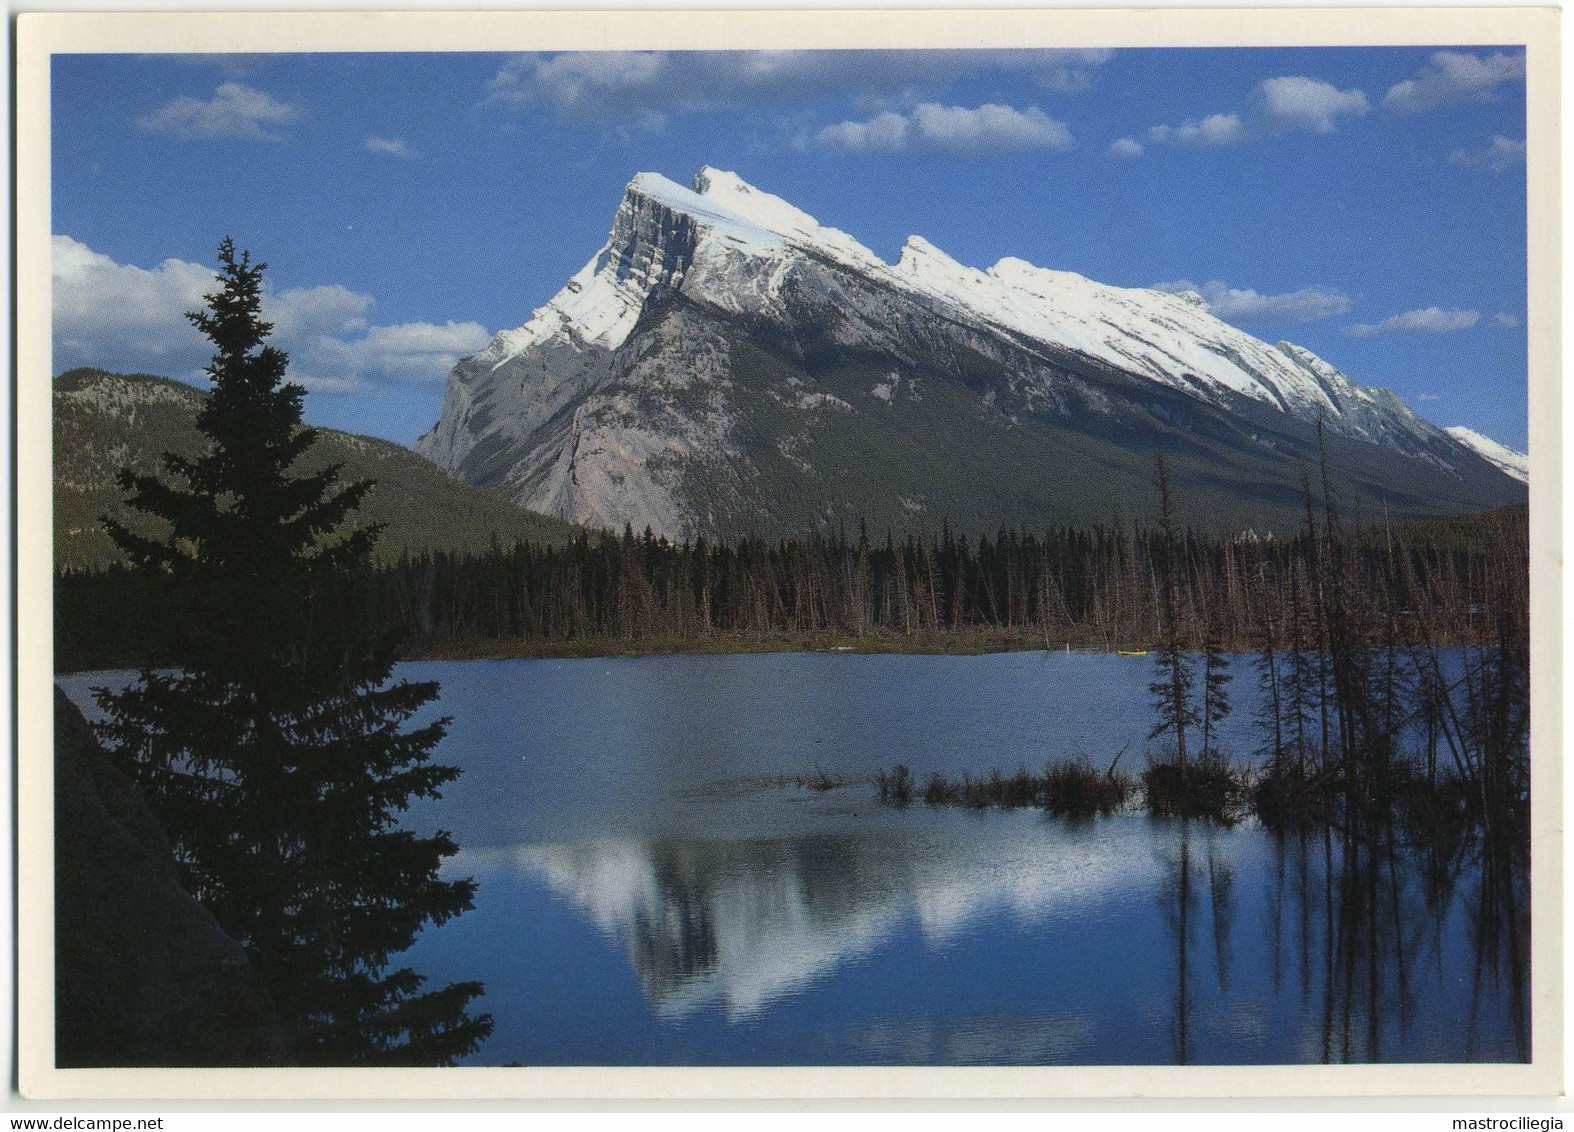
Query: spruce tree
[[1216, 677], [1173, 678], [276, 753], [1270, 714]]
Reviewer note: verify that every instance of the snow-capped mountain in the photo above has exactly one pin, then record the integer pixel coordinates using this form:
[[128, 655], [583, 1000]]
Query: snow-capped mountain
[[1500, 456], [727, 365]]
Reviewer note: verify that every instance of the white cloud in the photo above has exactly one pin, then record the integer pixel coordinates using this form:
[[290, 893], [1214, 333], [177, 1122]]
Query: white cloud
[[989, 128], [1124, 147], [124, 317], [1431, 320], [1454, 76], [389, 147], [1427, 397], [1297, 102], [1289, 102], [236, 112], [597, 87], [1236, 304], [121, 317], [587, 84], [1497, 155], [1063, 70], [1214, 132], [303, 313], [884, 133], [411, 352], [1505, 320]]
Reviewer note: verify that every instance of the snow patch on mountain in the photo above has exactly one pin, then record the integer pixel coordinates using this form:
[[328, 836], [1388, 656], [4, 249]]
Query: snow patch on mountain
[[1500, 456]]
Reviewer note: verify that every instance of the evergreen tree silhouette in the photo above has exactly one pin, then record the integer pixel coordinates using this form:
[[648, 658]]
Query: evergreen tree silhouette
[[1173, 679], [276, 753], [1216, 677]]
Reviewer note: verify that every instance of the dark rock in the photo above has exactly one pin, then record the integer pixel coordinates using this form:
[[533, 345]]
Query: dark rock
[[144, 975]]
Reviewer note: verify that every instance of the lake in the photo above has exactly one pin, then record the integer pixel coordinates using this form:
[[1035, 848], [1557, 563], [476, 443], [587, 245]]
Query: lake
[[657, 887]]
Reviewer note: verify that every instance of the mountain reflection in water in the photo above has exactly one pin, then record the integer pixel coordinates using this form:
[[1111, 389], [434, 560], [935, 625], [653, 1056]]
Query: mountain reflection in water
[[1024, 940], [744, 923]]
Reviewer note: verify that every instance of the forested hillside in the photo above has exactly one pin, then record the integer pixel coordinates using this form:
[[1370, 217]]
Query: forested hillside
[[104, 422]]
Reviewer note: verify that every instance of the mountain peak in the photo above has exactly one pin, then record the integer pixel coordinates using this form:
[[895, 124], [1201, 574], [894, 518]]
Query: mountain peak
[[1501, 456], [925, 266], [725, 180], [918, 247], [732, 192], [710, 210], [726, 192]]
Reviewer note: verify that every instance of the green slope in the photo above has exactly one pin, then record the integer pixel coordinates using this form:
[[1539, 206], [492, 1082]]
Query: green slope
[[104, 422]]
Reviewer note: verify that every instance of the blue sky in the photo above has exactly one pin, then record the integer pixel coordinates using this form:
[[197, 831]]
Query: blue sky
[[1367, 203]]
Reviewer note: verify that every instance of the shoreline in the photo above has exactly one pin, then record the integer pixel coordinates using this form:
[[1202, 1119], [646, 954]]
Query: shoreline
[[956, 642], [952, 643]]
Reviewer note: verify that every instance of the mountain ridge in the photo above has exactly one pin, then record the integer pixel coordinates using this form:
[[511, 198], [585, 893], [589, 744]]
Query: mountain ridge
[[594, 410]]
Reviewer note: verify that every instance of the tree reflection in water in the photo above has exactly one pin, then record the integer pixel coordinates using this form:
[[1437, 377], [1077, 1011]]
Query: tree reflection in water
[[1369, 926], [1186, 879]]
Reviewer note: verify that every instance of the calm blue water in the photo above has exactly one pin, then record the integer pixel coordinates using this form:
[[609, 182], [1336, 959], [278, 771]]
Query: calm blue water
[[654, 889]]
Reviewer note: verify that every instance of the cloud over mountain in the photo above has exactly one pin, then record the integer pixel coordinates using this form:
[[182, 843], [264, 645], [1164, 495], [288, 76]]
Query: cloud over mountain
[[1276, 105], [236, 112], [389, 147], [1244, 305], [1297, 102], [122, 317], [1496, 156], [986, 129], [1213, 132], [1429, 320], [601, 87], [1454, 76]]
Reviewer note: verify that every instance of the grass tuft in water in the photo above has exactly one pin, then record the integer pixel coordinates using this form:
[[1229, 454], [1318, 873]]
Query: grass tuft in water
[[1072, 788], [1208, 787], [820, 781], [1288, 797], [1076, 789], [896, 788]]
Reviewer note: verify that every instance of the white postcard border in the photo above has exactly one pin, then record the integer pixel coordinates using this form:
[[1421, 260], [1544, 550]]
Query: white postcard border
[[39, 35]]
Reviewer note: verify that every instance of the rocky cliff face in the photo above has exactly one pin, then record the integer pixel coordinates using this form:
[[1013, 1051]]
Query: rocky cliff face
[[144, 975], [726, 365]]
